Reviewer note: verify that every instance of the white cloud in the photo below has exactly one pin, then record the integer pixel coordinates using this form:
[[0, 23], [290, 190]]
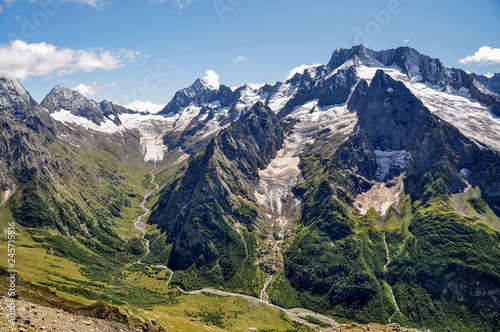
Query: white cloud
[[20, 60], [240, 59], [407, 40], [300, 69], [145, 106], [91, 90], [485, 56], [87, 90], [211, 79]]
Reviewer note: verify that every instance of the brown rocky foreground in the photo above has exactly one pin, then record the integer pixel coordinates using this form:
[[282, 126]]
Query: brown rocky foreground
[[33, 317]]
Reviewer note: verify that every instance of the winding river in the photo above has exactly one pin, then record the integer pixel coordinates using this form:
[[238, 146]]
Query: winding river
[[385, 269], [296, 314]]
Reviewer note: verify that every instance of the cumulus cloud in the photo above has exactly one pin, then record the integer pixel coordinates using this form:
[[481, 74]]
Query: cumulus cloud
[[87, 90], [407, 40], [144, 106], [300, 69], [91, 90], [20, 60], [240, 59], [211, 79], [485, 56]]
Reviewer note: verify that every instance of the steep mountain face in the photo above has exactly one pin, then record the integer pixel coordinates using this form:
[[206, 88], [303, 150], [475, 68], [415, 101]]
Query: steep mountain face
[[199, 93], [62, 190], [328, 86], [201, 111], [398, 150], [64, 99], [25, 132], [81, 118], [367, 188], [208, 223], [389, 154]]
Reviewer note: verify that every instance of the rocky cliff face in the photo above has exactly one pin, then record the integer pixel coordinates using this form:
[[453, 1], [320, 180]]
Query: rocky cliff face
[[204, 211], [393, 177], [61, 98], [25, 132]]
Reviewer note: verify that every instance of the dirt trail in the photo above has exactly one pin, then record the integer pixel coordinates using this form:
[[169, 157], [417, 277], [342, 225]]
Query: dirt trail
[[297, 314]]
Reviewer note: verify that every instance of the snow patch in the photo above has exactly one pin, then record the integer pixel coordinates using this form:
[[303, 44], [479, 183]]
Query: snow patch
[[387, 160], [465, 172], [345, 65], [281, 97], [276, 182], [152, 128], [313, 119], [108, 127], [213, 126], [215, 104], [249, 97], [472, 119]]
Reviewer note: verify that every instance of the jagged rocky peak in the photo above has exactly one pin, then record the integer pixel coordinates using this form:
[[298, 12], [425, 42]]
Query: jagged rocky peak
[[361, 52], [406, 59], [389, 114], [14, 96], [415, 64], [62, 98], [198, 94], [17, 105]]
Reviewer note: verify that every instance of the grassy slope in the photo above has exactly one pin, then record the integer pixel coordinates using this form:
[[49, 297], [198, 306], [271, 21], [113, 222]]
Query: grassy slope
[[335, 263], [134, 288]]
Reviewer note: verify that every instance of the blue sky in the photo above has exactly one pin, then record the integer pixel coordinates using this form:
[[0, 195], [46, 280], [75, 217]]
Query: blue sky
[[123, 50]]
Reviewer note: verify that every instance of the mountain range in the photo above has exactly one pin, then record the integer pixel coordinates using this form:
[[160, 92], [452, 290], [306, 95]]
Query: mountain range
[[366, 189]]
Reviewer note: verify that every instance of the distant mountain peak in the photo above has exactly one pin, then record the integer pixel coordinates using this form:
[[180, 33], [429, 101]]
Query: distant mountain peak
[[61, 97], [14, 95]]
